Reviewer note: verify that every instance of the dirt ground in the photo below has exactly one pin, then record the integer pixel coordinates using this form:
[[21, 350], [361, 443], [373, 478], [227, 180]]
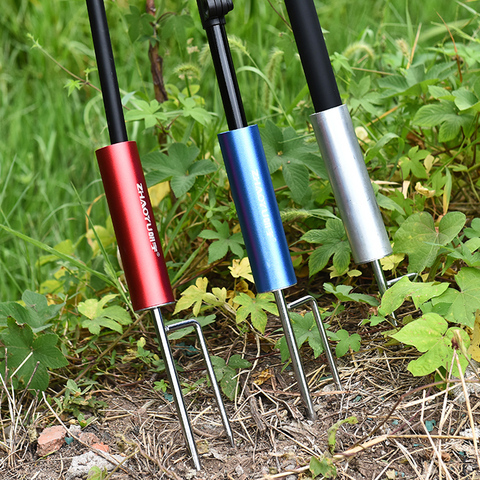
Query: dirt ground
[[404, 429]]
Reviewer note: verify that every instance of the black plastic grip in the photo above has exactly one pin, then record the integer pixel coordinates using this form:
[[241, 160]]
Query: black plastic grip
[[313, 54], [106, 71]]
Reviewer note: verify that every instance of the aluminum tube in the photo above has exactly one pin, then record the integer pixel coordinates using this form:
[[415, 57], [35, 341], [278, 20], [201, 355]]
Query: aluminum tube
[[257, 209], [351, 184]]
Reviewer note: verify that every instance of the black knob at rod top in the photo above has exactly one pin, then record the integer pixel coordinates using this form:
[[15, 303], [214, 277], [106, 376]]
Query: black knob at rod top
[[313, 54], [106, 71]]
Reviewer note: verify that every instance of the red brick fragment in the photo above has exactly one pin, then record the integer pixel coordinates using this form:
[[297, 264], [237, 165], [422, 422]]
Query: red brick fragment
[[50, 440]]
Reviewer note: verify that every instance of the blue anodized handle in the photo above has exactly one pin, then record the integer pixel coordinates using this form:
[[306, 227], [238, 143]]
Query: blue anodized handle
[[257, 209]]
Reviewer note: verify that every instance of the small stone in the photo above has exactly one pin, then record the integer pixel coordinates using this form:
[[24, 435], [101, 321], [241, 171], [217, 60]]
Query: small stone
[[88, 438], [101, 446], [239, 470], [82, 464], [50, 440]]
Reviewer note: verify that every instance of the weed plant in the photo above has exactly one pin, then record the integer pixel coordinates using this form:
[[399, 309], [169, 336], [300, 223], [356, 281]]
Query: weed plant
[[409, 77]]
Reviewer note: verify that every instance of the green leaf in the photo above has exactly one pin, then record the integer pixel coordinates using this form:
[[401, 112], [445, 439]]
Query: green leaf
[[190, 108], [412, 163], [430, 334], [179, 166], [176, 27], [226, 374], [346, 342], [462, 304], [323, 466], [342, 292], [421, 241], [150, 112], [285, 149], [465, 99], [255, 308], [236, 361], [36, 312], [20, 342], [225, 241], [97, 316], [305, 329], [193, 295], [404, 288], [474, 229], [334, 242]]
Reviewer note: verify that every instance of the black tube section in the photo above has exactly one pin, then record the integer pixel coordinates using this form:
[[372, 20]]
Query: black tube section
[[313, 54], [213, 21], [106, 71]]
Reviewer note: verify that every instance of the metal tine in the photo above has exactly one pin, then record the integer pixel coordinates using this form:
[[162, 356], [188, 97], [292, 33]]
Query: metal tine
[[174, 381], [172, 375], [213, 380], [323, 333], [294, 354]]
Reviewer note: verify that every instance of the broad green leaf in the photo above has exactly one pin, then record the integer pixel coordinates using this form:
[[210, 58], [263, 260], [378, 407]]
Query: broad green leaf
[[20, 342], [440, 93], [285, 149], [322, 466], [297, 179], [236, 361], [176, 27], [36, 313], [334, 242], [434, 114], [423, 333], [179, 167], [420, 293], [99, 316], [229, 381], [421, 241], [413, 163], [224, 241], [430, 334], [193, 295], [226, 374], [305, 330], [192, 108], [346, 342], [255, 308], [342, 292], [462, 304], [474, 229], [177, 334], [465, 99]]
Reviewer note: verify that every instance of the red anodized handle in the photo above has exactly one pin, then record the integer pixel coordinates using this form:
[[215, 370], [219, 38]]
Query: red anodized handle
[[134, 225]]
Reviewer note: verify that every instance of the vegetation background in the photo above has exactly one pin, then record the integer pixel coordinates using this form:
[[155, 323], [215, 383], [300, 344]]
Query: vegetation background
[[409, 73], [47, 165]]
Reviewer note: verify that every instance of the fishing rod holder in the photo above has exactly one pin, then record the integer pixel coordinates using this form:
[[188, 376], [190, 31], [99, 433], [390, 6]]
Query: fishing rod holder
[[145, 269], [264, 237]]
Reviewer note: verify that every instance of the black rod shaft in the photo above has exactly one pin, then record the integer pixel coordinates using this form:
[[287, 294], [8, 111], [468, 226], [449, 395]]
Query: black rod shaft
[[106, 71], [226, 77], [313, 54]]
